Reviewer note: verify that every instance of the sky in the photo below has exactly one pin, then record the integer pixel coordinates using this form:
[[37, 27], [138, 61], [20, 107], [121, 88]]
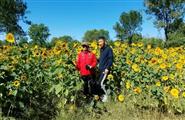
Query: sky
[[75, 17]]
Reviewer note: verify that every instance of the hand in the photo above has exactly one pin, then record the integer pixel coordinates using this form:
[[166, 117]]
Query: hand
[[88, 67], [106, 71]]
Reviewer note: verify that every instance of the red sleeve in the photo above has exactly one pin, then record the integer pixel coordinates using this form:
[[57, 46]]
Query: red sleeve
[[78, 62], [94, 61]]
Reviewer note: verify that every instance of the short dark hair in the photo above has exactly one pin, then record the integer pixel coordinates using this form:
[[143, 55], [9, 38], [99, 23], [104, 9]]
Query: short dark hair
[[102, 37]]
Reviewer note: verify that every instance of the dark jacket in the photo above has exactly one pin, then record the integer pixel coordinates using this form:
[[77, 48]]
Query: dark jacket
[[106, 58]]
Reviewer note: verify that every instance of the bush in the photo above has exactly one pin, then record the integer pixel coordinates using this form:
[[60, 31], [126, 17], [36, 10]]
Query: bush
[[154, 42], [32, 86], [176, 39]]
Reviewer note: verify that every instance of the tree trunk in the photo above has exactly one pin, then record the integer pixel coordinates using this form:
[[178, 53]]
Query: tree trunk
[[166, 33], [130, 40]]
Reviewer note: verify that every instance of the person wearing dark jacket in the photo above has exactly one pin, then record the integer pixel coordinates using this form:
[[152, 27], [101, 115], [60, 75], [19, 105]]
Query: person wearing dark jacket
[[105, 64]]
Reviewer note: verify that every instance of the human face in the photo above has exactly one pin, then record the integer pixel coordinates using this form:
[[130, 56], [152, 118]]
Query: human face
[[101, 43], [85, 47]]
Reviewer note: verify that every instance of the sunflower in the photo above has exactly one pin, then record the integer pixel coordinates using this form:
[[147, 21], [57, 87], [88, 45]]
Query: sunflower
[[75, 45], [179, 66], [172, 77], [158, 51], [6, 47], [137, 90], [10, 93], [174, 92], [173, 54], [110, 77], [121, 98], [57, 50], [44, 54], [36, 53], [160, 61], [16, 83], [128, 62], [158, 83], [133, 51], [79, 49], [136, 68], [10, 38], [183, 94], [96, 97], [58, 62], [60, 76], [166, 89], [94, 51], [165, 78], [72, 107], [164, 56], [133, 44], [149, 46], [153, 61], [64, 45], [117, 44], [94, 45], [140, 44], [23, 77], [36, 47], [128, 85], [163, 66]]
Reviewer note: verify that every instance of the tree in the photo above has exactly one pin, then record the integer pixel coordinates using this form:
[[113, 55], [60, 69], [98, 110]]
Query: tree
[[39, 34], [22, 40], [91, 35], [65, 38], [11, 13], [177, 37], [176, 25], [165, 12], [128, 25]]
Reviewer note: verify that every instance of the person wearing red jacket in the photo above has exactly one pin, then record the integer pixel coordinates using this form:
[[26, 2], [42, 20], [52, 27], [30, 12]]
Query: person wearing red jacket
[[86, 62]]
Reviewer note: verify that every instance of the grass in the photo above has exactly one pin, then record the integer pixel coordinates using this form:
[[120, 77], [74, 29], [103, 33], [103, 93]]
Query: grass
[[119, 111], [114, 111]]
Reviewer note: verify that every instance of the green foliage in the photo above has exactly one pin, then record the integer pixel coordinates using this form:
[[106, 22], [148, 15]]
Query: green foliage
[[22, 41], [128, 25], [176, 25], [43, 85], [65, 38], [135, 38], [177, 37], [165, 12], [11, 13], [154, 42], [91, 35], [1, 42], [39, 34]]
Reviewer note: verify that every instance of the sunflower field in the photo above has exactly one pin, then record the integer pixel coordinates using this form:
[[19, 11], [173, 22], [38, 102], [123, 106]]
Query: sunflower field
[[37, 82]]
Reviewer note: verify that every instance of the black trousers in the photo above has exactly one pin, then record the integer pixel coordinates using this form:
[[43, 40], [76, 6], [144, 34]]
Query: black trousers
[[94, 84], [88, 85], [101, 86]]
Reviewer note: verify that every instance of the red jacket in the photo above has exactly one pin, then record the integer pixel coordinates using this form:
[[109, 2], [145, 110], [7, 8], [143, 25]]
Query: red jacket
[[85, 58]]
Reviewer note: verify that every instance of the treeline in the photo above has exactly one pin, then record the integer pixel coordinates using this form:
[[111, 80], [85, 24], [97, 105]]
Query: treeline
[[168, 15]]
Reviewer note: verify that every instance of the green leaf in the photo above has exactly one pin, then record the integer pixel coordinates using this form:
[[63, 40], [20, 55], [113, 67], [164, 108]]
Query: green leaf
[[58, 88], [21, 104], [14, 93], [66, 93]]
